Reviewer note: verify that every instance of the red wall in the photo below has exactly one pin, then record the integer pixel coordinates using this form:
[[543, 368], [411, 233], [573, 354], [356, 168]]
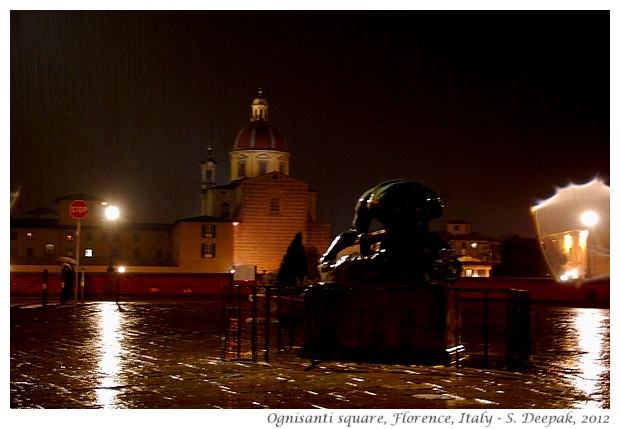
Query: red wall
[[98, 285]]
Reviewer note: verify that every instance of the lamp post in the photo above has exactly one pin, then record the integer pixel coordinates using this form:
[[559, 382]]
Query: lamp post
[[112, 213], [589, 219]]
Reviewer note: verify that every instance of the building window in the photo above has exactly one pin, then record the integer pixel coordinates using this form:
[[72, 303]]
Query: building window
[[282, 168], [274, 205], [208, 250], [70, 253], [208, 231], [88, 253], [50, 249], [69, 236], [241, 169], [262, 167], [29, 236], [30, 252]]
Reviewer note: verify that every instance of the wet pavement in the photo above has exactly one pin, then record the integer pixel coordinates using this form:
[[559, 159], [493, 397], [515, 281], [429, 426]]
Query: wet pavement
[[169, 355]]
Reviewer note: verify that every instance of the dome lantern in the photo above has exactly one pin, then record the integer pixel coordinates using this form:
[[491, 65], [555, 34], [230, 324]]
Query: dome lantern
[[259, 147]]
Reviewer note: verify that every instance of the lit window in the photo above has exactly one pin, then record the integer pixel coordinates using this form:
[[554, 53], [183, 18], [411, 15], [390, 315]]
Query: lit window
[[69, 237], [88, 253], [208, 250], [29, 235], [469, 273], [50, 249]]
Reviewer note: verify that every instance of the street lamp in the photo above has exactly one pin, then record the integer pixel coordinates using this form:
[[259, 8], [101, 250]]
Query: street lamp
[[589, 218], [112, 213]]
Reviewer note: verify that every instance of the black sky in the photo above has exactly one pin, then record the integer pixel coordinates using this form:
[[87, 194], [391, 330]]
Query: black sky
[[493, 110]]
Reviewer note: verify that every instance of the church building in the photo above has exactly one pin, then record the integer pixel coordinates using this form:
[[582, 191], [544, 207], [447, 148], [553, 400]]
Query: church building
[[266, 205]]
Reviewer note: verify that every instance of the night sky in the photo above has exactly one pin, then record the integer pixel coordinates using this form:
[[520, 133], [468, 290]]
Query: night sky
[[493, 110]]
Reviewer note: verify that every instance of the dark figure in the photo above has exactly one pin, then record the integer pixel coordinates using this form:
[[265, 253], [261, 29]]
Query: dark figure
[[403, 249], [66, 281]]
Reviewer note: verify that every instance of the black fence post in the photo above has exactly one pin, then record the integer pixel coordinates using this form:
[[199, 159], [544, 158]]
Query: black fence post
[[267, 321], [486, 328]]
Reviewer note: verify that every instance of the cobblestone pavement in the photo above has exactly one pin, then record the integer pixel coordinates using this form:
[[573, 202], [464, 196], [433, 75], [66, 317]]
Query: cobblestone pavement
[[169, 355]]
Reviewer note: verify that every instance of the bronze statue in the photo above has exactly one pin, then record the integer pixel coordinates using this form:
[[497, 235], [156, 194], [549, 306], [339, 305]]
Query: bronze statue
[[402, 250]]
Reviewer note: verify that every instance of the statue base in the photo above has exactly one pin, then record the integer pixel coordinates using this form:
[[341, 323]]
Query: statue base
[[387, 323]]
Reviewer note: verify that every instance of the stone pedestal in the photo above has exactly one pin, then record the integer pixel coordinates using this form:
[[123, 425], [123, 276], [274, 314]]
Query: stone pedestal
[[382, 323]]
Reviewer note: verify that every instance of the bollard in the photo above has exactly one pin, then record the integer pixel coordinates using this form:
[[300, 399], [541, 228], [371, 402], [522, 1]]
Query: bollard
[[44, 289], [82, 275]]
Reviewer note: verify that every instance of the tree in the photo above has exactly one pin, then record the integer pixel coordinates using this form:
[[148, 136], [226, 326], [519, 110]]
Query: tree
[[294, 266]]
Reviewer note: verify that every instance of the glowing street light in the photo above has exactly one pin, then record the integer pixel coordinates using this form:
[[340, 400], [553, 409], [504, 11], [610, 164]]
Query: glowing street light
[[112, 213], [589, 218]]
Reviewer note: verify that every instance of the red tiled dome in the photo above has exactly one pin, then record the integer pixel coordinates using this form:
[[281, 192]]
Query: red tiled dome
[[260, 134]]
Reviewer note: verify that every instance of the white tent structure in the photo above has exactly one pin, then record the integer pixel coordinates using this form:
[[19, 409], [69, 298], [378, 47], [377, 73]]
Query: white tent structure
[[573, 229]]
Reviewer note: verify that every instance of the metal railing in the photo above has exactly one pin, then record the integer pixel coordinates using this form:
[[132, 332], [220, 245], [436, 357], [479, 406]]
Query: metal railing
[[253, 315], [493, 325]]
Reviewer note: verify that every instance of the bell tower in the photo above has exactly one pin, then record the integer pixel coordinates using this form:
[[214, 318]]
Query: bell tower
[[208, 168]]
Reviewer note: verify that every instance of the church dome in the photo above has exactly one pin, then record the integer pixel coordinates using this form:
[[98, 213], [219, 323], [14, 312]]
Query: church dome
[[260, 133]]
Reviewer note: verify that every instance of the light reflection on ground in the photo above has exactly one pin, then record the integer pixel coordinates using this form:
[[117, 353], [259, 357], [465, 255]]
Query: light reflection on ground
[[168, 355], [110, 349], [591, 325]]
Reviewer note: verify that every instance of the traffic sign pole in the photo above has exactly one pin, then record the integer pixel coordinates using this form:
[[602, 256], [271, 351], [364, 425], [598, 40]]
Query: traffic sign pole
[[77, 262], [78, 209]]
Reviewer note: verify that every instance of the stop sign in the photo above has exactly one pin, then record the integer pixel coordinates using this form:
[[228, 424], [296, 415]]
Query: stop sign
[[78, 209]]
